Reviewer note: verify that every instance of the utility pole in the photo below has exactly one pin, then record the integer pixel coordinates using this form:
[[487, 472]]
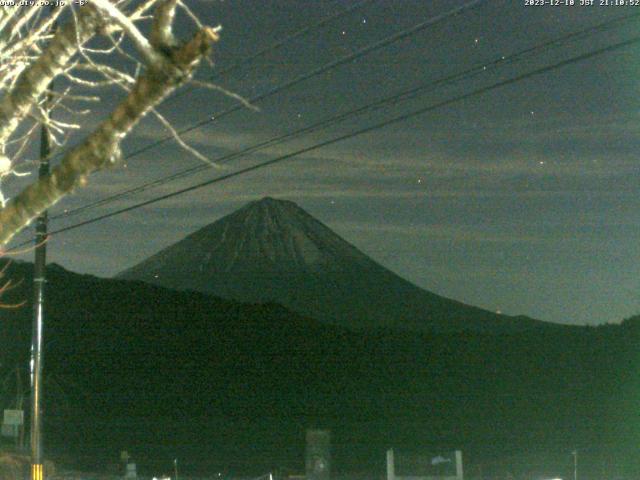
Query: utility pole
[[19, 406], [575, 464], [39, 280]]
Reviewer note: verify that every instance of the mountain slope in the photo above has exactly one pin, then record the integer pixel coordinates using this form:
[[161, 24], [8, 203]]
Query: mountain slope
[[136, 366], [226, 386], [272, 250]]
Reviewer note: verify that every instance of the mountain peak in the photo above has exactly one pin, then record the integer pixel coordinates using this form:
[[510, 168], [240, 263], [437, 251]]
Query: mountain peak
[[273, 250], [271, 201], [266, 235], [271, 207]]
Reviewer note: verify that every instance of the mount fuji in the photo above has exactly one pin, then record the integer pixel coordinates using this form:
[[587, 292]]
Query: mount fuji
[[273, 251]]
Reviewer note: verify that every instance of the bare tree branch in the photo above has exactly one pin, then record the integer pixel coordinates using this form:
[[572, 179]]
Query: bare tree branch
[[150, 56], [102, 147], [35, 79]]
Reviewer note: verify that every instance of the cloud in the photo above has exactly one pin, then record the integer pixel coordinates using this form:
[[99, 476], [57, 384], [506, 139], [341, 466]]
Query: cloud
[[448, 232]]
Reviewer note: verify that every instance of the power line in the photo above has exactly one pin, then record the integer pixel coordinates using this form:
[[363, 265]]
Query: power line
[[322, 69], [288, 39], [406, 33], [317, 71], [328, 122], [274, 46], [359, 132]]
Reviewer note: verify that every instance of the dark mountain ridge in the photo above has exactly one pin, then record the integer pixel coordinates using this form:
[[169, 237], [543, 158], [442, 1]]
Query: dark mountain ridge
[[272, 250], [231, 387]]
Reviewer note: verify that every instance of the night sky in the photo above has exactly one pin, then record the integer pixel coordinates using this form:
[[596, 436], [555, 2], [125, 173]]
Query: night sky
[[523, 200]]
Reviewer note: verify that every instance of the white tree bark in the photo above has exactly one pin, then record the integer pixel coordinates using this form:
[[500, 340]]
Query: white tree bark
[[35, 80], [167, 66]]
